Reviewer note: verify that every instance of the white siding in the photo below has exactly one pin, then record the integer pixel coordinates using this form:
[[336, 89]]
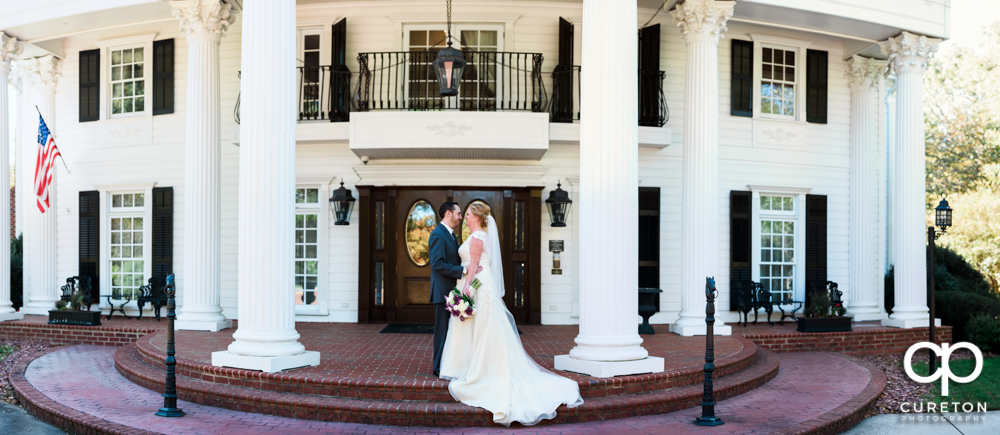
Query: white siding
[[820, 162]]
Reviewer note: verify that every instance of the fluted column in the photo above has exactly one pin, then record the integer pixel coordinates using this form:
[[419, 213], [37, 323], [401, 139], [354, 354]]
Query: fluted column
[[266, 338], [204, 22], [702, 23], [609, 342], [908, 54], [42, 283], [864, 276], [10, 48]]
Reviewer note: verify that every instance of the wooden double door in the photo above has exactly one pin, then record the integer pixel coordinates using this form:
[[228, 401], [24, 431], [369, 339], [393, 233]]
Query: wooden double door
[[394, 268]]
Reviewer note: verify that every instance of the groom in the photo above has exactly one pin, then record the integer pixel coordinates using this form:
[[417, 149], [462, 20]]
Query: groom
[[446, 270]]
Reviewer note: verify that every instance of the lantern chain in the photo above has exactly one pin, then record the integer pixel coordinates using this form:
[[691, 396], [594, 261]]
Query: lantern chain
[[449, 23]]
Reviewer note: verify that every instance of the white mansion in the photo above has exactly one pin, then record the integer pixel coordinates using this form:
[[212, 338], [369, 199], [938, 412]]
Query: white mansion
[[778, 141]]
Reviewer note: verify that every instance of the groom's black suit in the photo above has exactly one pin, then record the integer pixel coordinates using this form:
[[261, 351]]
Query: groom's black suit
[[446, 270]]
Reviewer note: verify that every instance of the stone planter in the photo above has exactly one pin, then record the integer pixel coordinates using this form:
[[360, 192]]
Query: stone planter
[[824, 324], [73, 317]]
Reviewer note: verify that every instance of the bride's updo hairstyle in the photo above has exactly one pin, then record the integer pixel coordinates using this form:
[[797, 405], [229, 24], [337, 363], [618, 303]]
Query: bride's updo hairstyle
[[481, 211]]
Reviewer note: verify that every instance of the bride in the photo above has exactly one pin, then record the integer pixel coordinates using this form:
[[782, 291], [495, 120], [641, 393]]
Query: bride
[[483, 356]]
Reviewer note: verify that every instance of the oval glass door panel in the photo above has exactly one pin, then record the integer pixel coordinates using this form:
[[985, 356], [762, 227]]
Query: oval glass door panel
[[465, 230], [420, 221]]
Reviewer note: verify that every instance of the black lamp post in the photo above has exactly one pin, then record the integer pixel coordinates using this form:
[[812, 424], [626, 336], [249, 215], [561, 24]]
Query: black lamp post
[[942, 218], [558, 205], [342, 203], [449, 65]]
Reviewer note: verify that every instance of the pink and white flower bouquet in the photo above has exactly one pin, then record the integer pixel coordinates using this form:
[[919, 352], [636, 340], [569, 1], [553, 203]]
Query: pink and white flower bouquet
[[460, 305]]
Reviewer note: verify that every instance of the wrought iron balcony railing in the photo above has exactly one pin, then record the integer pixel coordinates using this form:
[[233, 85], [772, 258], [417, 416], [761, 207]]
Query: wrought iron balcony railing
[[324, 93], [492, 81], [565, 107]]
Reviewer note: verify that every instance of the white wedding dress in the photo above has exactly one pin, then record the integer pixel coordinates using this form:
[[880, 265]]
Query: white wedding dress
[[484, 359]]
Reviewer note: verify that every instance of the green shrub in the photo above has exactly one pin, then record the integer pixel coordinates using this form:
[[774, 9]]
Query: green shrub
[[16, 271], [955, 308], [983, 331]]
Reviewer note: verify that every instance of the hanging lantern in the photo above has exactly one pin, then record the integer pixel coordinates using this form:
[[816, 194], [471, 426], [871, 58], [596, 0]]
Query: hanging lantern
[[942, 215], [449, 65], [342, 203], [558, 205]]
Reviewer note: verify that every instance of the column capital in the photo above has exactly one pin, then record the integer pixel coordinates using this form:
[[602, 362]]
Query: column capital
[[703, 20], [203, 18], [10, 49], [862, 73], [44, 71], [909, 52]]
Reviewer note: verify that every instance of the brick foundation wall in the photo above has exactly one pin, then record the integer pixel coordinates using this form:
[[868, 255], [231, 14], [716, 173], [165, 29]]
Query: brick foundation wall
[[58, 334], [857, 342]]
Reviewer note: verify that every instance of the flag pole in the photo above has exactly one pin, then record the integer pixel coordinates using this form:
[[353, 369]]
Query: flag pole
[[53, 138]]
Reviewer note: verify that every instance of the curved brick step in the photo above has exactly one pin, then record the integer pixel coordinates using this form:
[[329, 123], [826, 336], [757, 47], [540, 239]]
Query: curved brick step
[[434, 391], [130, 364]]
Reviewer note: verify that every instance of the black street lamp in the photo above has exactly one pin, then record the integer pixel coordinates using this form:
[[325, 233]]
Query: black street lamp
[[342, 203], [449, 65], [942, 218], [558, 205]]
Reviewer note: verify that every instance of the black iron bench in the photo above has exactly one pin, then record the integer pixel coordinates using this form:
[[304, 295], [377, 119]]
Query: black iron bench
[[752, 296], [74, 284], [153, 293]]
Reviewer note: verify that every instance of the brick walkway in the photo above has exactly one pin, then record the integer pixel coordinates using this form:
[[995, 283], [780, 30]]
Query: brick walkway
[[810, 390]]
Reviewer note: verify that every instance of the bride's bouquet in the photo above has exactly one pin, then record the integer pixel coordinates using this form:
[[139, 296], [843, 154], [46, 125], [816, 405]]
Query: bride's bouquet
[[460, 305]]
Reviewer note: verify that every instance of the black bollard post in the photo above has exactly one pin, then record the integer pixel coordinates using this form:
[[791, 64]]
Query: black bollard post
[[170, 408], [708, 417]]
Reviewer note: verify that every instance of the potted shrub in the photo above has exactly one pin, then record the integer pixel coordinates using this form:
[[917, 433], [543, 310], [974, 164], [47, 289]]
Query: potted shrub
[[824, 316], [70, 313]]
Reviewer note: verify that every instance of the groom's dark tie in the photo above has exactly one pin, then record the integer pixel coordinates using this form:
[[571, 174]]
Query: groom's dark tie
[[455, 238]]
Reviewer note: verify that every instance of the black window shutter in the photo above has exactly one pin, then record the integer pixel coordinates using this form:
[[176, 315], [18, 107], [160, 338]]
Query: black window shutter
[[740, 202], [816, 83], [649, 239], [90, 84], [163, 231], [562, 76], [340, 86], [163, 77], [741, 86], [815, 241], [649, 76], [90, 245]]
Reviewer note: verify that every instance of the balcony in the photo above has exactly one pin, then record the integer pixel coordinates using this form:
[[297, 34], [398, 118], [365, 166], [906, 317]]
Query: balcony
[[503, 110]]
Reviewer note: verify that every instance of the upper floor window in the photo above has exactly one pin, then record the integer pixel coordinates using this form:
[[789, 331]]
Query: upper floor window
[[777, 81], [128, 93]]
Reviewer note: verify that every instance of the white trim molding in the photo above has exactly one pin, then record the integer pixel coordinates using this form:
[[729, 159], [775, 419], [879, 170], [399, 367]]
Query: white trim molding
[[111, 188], [128, 40], [789, 190], [461, 175]]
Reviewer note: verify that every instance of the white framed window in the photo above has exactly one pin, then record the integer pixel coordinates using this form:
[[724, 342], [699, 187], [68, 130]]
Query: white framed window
[[127, 241], [126, 76], [128, 80], [778, 78], [479, 87], [778, 84], [311, 57], [779, 243], [310, 252]]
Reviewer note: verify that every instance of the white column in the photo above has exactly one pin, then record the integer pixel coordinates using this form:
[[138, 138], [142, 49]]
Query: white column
[[204, 22], [864, 274], [10, 48], [702, 23], [908, 54], [40, 229], [609, 342], [266, 338]]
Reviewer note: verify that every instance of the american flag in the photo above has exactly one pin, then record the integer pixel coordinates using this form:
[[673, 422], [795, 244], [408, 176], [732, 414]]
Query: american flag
[[47, 153]]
